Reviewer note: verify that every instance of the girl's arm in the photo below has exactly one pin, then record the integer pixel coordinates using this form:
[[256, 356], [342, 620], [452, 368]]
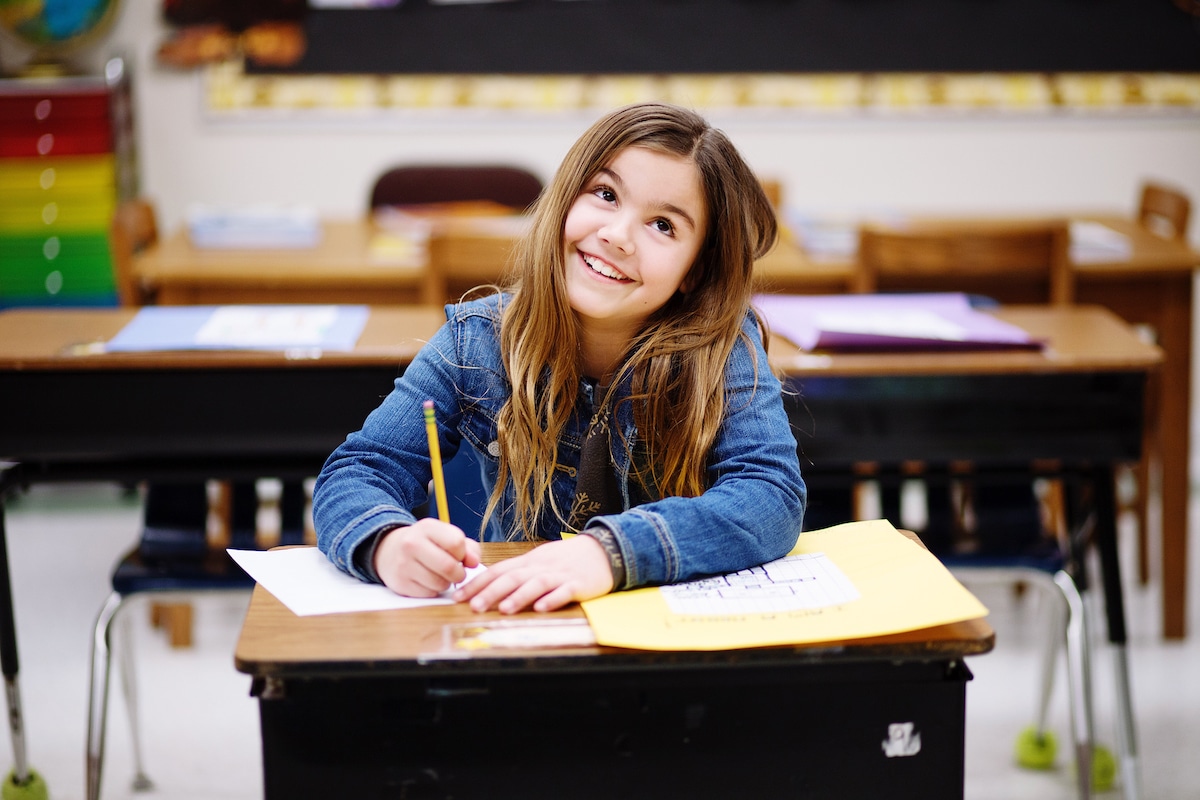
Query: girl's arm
[[371, 483], [754, 507]]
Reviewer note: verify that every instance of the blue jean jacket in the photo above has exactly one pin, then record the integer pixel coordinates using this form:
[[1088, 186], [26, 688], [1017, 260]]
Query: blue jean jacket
[[750, 513]]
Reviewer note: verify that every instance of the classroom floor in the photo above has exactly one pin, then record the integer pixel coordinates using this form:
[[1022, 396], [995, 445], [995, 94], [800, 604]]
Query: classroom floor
[[201, 727]]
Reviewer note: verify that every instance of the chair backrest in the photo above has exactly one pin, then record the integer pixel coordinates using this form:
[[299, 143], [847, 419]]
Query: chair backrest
[[447, 183], [134, 227], [1012, 263], [1164, 210]]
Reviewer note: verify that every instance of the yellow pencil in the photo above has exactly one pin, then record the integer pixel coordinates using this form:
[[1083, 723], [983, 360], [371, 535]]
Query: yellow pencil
[[435, 458]]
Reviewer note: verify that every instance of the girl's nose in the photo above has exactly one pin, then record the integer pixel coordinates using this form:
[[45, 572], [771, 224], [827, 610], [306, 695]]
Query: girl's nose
[[618, 232]]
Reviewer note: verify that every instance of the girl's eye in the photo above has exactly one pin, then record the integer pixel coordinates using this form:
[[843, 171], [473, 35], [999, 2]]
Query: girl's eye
[[606, 194], [663, 226]]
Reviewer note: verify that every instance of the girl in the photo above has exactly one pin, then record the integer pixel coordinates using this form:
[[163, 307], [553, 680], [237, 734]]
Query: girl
[[620, 390]]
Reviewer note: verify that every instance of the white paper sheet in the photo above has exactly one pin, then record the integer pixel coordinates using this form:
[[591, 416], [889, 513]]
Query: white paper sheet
[[304, 580]]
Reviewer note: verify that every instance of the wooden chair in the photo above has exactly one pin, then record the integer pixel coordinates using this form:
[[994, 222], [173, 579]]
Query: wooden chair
[[1164, 210], [424, 184], [134, 227], [458, 263], [1006, 262]]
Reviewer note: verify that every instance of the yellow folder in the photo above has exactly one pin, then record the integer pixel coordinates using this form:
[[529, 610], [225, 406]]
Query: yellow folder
[[898, 586]]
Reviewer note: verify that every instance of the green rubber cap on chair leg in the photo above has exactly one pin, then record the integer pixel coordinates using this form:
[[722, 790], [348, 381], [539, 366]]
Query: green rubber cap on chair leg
[[1104, 769], [1036, 750], [34, 788]]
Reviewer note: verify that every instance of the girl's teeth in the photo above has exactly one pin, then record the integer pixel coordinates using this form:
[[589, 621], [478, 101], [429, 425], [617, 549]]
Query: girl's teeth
[[603, 269]]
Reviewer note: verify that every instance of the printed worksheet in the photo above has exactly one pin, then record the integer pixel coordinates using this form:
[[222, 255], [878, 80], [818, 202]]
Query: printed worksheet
[[791, 583]]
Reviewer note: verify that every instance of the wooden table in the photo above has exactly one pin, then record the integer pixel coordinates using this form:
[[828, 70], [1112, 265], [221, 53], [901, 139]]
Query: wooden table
[[382, 692], [1153, 287], [71, 413], [1073, 412], [340, 269]]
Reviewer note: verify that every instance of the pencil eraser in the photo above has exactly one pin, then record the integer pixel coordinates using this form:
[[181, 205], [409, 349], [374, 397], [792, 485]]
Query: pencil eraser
[[428, 404]]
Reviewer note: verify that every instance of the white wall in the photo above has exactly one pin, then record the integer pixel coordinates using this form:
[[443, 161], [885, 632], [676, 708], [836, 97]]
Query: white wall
[[1038, 163]]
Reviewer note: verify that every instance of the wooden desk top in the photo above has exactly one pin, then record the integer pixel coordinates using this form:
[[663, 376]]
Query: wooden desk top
[[276, 642], [67, 338], [1079, 339], [342, 256]]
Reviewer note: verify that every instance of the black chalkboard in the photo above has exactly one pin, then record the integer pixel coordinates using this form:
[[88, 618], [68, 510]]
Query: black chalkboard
[[723, 36]]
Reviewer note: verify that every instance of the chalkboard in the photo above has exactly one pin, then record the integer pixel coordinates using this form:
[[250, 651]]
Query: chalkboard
[[757, 36]]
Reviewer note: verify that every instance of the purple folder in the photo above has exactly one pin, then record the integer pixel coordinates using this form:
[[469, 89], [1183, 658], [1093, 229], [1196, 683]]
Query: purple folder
[[933, 321]]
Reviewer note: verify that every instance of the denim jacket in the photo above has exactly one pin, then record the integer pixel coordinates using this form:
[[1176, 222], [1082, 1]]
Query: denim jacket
[[750, 513]]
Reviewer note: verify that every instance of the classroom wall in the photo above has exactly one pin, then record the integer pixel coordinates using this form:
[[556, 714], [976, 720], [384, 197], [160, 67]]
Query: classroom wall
[[1034, 163]]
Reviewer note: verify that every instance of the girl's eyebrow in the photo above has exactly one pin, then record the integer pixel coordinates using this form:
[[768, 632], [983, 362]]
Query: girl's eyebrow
[[666, 208]]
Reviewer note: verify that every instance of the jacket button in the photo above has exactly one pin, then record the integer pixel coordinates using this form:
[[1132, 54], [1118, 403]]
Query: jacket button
[[494, 449]]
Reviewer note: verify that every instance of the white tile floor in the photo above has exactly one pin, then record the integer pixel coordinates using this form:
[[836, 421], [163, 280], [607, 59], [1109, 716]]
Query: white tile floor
[[201, 725]]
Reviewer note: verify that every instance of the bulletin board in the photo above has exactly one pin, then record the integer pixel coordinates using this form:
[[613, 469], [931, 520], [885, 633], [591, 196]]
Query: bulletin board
[[584, 37]]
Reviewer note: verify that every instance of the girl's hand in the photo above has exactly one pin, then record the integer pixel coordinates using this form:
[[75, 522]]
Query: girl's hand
[[546, 578], [425, 558]]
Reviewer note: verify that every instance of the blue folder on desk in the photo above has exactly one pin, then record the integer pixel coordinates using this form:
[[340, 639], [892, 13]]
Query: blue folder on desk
[[926, 321], [241, 327]]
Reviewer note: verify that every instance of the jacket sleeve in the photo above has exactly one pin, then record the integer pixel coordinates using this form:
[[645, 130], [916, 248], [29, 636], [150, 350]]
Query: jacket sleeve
[[379, 474], [754, 506]]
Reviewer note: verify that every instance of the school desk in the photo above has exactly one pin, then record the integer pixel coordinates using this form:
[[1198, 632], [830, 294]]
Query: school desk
[[1073, 411], [68, 413], [379, 704], [1152, 286]]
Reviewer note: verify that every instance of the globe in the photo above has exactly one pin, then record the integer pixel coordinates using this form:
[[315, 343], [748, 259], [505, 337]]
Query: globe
[[55, 28]]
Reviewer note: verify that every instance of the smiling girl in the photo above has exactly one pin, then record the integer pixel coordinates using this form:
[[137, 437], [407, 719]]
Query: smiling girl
[[619, 389]]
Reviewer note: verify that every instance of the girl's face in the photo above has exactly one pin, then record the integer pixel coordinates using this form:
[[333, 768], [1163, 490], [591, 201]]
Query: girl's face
[[631, 237]]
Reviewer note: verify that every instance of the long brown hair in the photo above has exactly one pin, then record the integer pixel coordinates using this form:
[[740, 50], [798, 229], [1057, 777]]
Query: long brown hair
[[676, 363]]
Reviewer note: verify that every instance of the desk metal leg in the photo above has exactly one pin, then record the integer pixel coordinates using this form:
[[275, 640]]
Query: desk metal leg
[[21, 782], [1114, 606]]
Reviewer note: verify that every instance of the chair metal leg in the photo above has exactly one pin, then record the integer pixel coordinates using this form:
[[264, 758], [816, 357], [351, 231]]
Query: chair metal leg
[[141, 782], [101, 659], [1079, 680], [1055, 636]]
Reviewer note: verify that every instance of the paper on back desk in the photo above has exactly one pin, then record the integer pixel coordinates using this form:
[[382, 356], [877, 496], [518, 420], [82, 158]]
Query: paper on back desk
[[304, 580], [883, 321]]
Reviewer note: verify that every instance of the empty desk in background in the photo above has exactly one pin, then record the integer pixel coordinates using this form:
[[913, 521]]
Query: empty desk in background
[[1150, 285], [68, 413], [1073, 411], [375, 704], [343, 267]]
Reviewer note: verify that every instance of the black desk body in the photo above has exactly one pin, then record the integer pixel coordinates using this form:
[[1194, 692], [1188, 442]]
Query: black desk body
[[770, 723], [1076, 426]]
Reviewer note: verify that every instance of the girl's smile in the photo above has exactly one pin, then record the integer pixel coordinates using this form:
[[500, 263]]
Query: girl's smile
[[607, 270]]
